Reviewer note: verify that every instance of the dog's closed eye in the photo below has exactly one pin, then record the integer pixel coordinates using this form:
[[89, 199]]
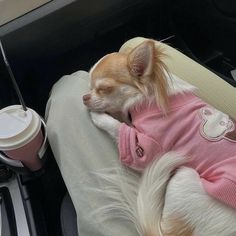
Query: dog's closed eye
[[103, 90]]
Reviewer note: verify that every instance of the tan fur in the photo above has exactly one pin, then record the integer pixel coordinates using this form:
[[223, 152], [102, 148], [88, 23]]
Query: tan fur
[[115, 68], [173, 226], [161, 88], [176, 226]]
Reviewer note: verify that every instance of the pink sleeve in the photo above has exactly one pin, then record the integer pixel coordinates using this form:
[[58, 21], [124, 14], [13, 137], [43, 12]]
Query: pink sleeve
[[136, 149], [221, 183]]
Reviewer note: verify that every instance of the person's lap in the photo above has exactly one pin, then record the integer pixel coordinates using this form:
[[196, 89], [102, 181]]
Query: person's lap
[[80, 149]]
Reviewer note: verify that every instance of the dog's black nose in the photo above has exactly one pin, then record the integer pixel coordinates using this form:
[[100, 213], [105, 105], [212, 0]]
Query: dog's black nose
[[86, 97]]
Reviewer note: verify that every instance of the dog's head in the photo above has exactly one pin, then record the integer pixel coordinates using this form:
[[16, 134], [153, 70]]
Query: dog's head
[[119, 81]]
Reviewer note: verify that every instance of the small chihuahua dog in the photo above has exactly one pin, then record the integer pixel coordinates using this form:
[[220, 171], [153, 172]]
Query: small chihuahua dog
[[185, 149]]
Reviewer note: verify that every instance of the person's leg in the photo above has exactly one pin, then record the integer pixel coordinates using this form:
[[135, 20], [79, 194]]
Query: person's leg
[[80, 149]]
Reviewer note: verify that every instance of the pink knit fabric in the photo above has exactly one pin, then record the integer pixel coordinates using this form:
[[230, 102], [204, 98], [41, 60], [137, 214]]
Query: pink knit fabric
[[191, 128]]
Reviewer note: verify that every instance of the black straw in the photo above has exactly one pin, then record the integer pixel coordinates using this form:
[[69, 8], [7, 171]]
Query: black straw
[[15, 85]]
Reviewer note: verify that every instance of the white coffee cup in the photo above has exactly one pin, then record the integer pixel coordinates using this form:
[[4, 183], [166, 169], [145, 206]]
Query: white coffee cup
[[21, 135]]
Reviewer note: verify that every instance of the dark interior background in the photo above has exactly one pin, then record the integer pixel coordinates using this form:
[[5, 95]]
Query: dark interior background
[[65, 36], [74, 36], [208, 30]]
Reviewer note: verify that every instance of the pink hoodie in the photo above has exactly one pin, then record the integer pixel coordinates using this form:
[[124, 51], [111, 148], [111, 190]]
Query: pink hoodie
[[191, 128]]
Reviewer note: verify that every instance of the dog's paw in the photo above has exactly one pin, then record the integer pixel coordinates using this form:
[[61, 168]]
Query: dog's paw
[[98, 118], [106, 123], [103, 120]]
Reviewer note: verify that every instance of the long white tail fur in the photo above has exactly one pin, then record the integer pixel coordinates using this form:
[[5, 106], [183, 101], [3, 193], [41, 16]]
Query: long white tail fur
[[139, 200]]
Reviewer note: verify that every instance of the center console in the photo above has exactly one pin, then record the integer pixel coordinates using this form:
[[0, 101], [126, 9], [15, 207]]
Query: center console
[[15, 210]]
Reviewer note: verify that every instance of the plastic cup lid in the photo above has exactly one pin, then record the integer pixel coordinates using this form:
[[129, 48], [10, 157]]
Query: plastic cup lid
[[17, 127]]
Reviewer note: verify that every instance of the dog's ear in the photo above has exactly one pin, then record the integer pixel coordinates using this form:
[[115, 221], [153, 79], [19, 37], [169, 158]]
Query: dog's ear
[[141, 59]]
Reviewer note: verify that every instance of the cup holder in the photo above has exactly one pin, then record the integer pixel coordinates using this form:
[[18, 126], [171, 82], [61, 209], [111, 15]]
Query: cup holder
[[17, 165]]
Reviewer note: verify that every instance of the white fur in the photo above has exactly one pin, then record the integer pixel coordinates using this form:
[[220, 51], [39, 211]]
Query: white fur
[[159, 198], [152, 190], [207, 216], [184, 195], [150, 201], [134, 198], [107, 123]]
